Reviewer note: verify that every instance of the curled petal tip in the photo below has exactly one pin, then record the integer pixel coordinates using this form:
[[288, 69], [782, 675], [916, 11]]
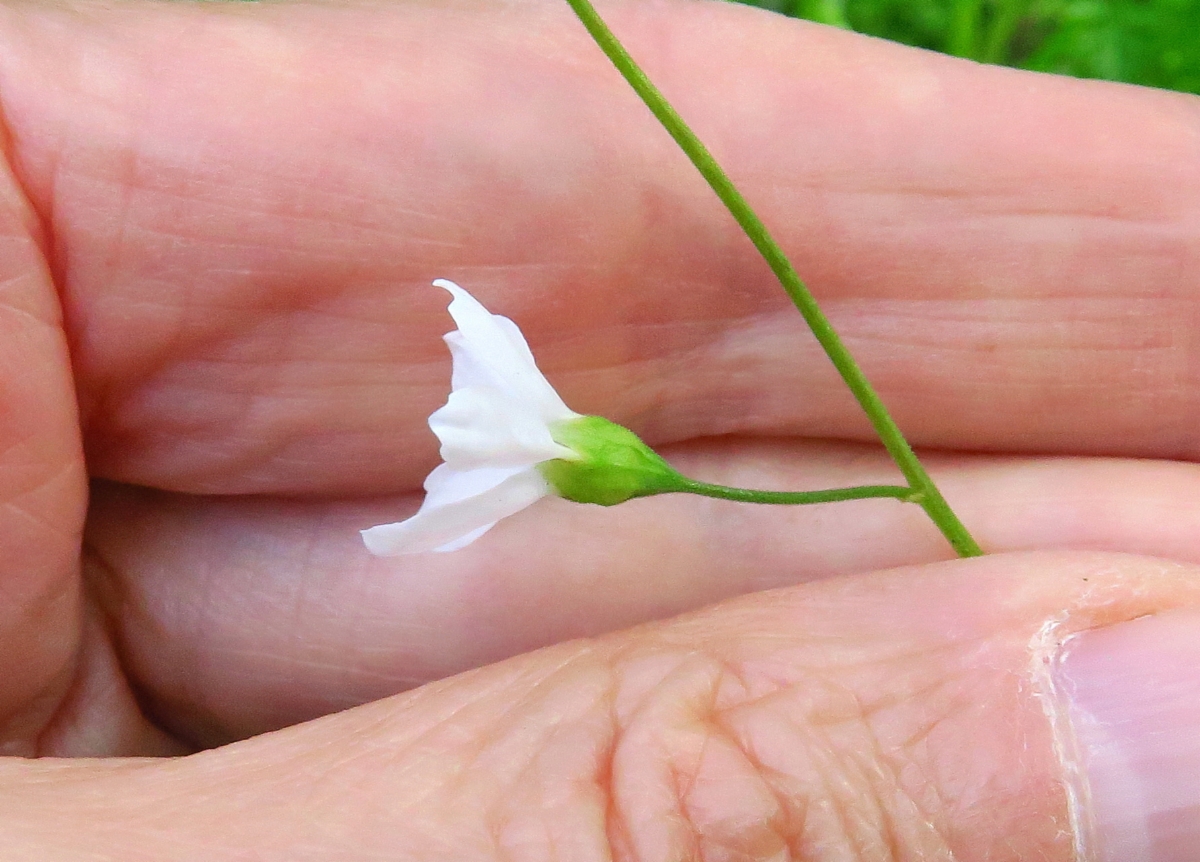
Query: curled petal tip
[[461, 298], [447, 284]]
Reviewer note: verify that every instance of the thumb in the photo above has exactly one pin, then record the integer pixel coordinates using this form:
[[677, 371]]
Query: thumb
[[1127, 708], [1003, 708]]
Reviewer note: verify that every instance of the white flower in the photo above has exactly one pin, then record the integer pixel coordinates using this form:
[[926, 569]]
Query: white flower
[[495, 430]]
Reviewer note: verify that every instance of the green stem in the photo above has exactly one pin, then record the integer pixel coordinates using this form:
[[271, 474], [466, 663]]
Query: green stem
[[924, 491], [796, 498]]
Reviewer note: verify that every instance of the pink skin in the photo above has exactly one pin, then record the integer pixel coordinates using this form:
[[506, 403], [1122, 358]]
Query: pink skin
[[228, 217]]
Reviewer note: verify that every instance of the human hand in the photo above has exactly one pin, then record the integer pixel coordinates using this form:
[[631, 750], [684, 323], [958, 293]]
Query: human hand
[[241, 208]]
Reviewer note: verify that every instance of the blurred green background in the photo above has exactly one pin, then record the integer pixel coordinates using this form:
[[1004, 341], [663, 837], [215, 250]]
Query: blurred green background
[[1151, 42]]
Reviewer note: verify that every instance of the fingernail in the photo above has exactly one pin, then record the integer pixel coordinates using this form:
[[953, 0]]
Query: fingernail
[[1129, 722]]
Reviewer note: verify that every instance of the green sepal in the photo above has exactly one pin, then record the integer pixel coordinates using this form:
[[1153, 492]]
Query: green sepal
[[613, 466]]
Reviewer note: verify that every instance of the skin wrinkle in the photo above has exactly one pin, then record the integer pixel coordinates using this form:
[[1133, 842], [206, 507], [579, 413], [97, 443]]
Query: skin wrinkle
[[887, 760], [879, 796], [780, 824], [859, 714], [15, 284], [858, 809], [825, 775], [11, 507], [569, 660], [616, 827], [649, 686], [685, 776], [500, 814], [1092, 328], [682, 781], [513, 809], [901, 807], [349, 219]]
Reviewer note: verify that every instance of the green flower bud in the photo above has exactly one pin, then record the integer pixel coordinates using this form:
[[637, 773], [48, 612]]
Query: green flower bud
[[613, 466]]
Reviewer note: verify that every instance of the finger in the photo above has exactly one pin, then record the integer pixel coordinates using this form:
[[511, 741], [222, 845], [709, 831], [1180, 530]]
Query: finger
[[1009, 255], [948, 711], [42, 485], [240, 616]]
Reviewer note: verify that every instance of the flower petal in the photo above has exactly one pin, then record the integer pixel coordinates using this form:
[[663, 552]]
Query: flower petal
[[481, 426], [463, 541], [489, 350], [446, 485], [459, 507]]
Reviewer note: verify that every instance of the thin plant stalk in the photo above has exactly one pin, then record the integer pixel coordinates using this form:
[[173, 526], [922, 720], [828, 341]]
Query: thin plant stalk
[[922, 490], [795, 498]]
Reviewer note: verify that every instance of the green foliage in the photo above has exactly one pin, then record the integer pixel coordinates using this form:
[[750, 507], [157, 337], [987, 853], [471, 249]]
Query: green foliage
[[1151, 42]]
